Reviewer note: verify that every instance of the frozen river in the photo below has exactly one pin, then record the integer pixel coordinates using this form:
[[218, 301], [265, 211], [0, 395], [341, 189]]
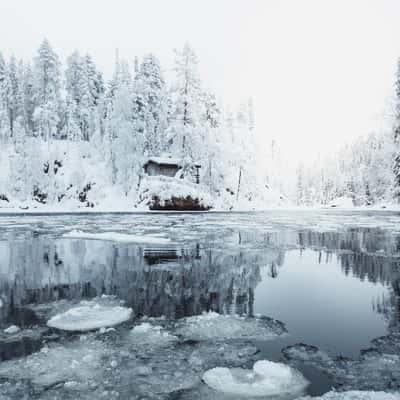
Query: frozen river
[[329, 280]]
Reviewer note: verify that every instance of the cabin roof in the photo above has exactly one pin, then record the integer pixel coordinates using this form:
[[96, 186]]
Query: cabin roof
[[168, 161]]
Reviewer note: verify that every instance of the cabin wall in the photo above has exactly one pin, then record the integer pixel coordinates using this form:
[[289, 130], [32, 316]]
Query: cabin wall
[[154, 169]]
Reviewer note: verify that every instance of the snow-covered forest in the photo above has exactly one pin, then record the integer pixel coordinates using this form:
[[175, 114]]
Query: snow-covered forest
[[360, 174], [71, 138], [363, 173]]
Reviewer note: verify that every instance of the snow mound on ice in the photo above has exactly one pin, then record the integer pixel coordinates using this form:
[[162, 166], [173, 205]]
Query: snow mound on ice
[[152, 335], [90, 315], [213, 326], [117, 237], [266, 379], [355, 395]]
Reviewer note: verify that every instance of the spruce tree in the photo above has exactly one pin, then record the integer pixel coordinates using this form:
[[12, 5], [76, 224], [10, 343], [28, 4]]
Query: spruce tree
[[47, 92], [150, 102], [188, 107], [396, 135], [29, 98], [12, 92], [5, 129]]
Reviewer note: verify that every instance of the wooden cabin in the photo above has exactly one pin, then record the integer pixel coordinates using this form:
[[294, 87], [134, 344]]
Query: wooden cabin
[[168, 166]]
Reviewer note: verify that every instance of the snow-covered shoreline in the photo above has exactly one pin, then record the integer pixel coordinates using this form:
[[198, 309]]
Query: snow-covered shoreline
[[52, 210]]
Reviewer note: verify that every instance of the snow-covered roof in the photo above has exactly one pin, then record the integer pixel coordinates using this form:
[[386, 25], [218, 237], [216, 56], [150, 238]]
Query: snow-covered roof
[[165, 160], [169, 161]]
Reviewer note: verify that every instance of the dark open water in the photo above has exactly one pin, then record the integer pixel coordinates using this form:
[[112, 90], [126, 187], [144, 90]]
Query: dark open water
[[333, 278]]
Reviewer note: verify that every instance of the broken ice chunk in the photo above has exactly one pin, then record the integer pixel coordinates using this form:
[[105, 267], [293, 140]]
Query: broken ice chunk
[[372, 370], [147, 334], [355, 395], [77, 361], [213, 326], [266, 379], [12, 329], [90, 315]]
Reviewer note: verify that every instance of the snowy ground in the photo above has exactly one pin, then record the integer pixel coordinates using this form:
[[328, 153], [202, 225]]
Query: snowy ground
[[118, 205]]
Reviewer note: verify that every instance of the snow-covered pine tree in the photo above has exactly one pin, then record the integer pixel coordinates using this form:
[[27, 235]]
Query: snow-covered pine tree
[[300, 189], [92, 90], [18, 161], [126, 145], [47, 84], [5, 131], [12, 92], [123, 143], [20, 94], [251, 117], [73, 75], [5, 87], [72, 131], [212, 110], [95, 80], [245, 152], [185, 132], [150, 102], [396, 134], [28, 87], [74, 84], [121, 77]]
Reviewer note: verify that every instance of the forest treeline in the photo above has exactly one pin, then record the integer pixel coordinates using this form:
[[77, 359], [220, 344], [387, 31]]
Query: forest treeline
[[366, 171], [69, 134], [65, 129]]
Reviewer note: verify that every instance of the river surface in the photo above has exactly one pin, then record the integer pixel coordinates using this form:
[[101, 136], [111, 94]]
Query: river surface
[[332, 277]]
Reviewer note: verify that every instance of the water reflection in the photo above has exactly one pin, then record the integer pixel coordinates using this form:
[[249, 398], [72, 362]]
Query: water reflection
[[171, 282], [185, 279], [368, 254]]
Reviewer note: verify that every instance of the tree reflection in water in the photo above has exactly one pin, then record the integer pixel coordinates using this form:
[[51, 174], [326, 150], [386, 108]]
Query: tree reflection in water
[[178, 281]]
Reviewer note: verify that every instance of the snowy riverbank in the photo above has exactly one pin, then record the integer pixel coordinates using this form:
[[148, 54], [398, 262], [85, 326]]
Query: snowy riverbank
[[40, 209]]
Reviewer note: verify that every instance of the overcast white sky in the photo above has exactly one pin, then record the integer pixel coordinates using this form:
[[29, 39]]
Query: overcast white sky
[[320, 71]]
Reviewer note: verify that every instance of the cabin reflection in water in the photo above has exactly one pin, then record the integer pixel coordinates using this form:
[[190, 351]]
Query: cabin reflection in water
[[177, 282], [154, 256], [154, 282]]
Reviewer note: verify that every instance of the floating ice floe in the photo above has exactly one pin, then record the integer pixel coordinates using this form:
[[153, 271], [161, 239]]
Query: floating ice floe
[[153, 335], [117, 237], [21, 342], [389, 344], [90, 315], [355, 395], [213, 326], [376, 369], [130, 364], [77, 361], [158, 371], [12, 329], [267, 378]]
